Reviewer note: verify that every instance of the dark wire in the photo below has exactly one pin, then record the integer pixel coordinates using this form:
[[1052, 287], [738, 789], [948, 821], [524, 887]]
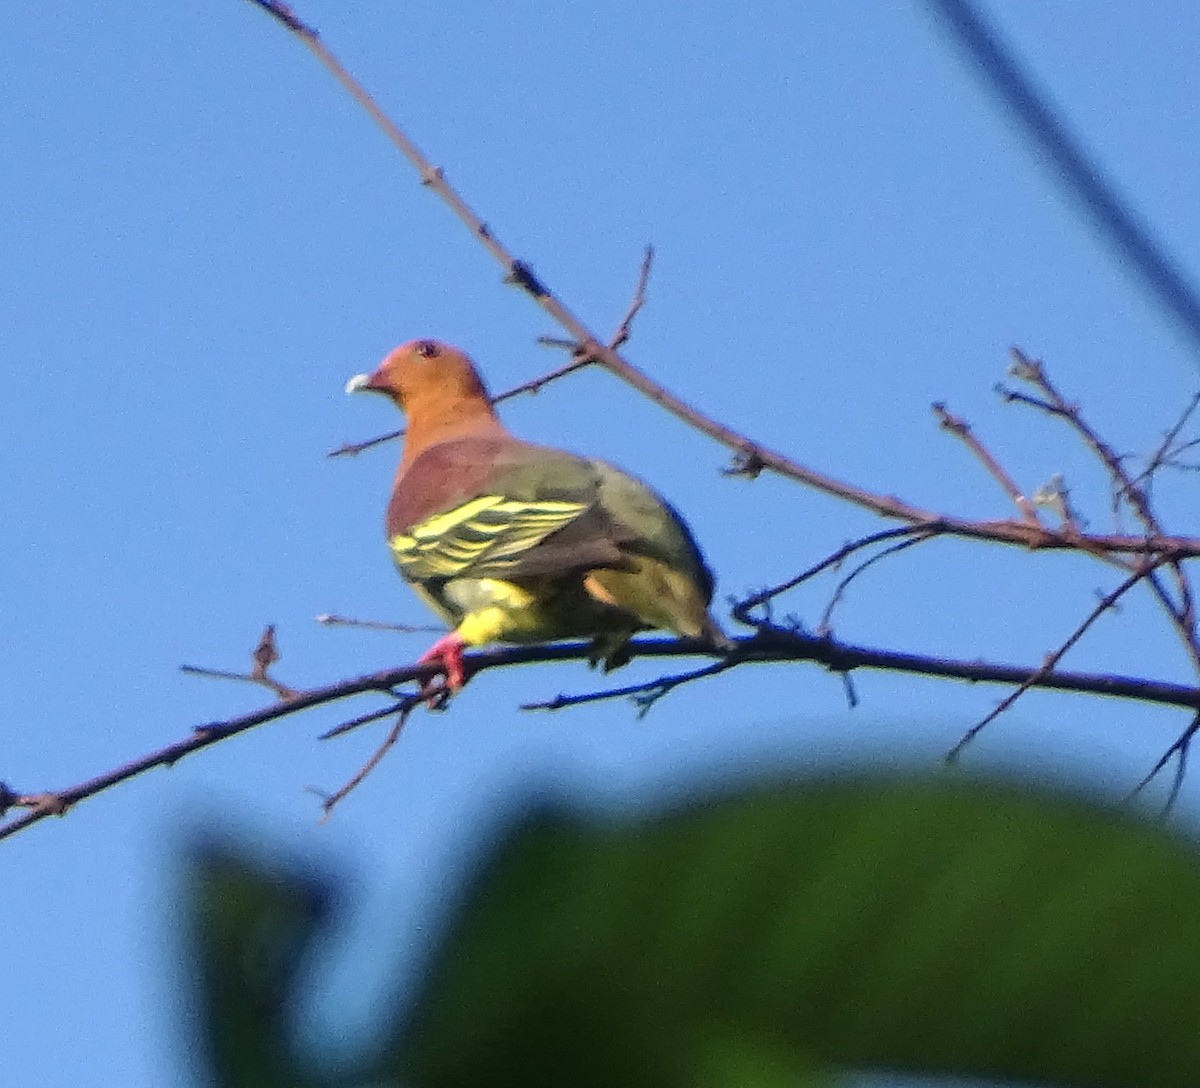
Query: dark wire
[[1117, 223]]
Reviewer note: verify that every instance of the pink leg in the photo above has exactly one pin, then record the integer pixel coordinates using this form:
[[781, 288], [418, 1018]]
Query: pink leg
[[447, 652]]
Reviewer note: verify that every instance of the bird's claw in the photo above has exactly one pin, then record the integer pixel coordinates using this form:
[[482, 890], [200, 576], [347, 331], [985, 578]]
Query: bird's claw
[[447, 653]]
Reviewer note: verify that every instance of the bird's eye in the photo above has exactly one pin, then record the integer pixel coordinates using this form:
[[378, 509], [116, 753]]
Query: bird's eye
[[428, 349]]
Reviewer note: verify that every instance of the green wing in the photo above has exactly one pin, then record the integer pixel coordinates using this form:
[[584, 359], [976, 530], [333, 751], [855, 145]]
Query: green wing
[[489, 536], [488, 508]]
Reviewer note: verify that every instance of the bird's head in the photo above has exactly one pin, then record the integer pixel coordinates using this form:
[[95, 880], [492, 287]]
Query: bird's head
[[423, 374]]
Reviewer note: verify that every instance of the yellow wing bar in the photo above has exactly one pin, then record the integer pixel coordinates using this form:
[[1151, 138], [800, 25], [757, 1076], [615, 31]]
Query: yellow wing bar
[[490, 531]]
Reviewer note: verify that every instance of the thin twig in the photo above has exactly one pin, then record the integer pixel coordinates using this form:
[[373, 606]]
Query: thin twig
[[1176, 429], [1178, 747], [284, 693], [743, 608], [352, 449], [1015, 396], [1105, 603], [364, 719], [1180, 774], [1167, 453], [285, 15], [536, 384], [330, 801], [650, 691], [839, 591], [329, 619], [581, 358], [264, 655], [962, 430], [639, 300]]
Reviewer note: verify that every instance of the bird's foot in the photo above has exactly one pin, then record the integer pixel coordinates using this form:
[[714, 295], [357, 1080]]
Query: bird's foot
[[610, 650], [447, 652]]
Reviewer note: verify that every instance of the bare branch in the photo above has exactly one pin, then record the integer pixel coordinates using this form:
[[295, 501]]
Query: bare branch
[[581, 358], [1180, 774], [1141, 555], [742, 609], [768, 644], [960, 429], [1179, 748], [281, 690], [330, 801], [264, 655], [1181, 608], [588, 345], [1106, 602], [639, 300], [284, 14], [353, 449], [839, 591], [329, 619], [644, 695], [365, 719], [1167, 454]]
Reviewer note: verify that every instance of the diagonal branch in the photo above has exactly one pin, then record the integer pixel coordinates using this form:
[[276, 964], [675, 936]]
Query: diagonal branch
[[330, 801], [962, 430], [1047, 667], [588, 348], [621, 336], [1169, 449], [1179, 749]]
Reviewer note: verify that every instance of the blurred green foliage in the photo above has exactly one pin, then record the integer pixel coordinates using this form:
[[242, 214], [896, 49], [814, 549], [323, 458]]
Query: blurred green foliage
[[760, 939]]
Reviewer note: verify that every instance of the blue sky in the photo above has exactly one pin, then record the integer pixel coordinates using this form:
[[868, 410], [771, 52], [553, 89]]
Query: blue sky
[[204, 239]]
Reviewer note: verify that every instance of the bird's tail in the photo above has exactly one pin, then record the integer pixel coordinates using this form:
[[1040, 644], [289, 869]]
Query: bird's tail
[[710, 632]]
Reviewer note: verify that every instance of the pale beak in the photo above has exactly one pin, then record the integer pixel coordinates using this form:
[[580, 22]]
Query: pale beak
[[359, 383]]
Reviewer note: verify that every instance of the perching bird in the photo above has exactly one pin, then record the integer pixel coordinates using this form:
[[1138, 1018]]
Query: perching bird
[[512, 542]]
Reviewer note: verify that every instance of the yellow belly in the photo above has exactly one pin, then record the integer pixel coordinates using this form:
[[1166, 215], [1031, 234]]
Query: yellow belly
[[485, 610]]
